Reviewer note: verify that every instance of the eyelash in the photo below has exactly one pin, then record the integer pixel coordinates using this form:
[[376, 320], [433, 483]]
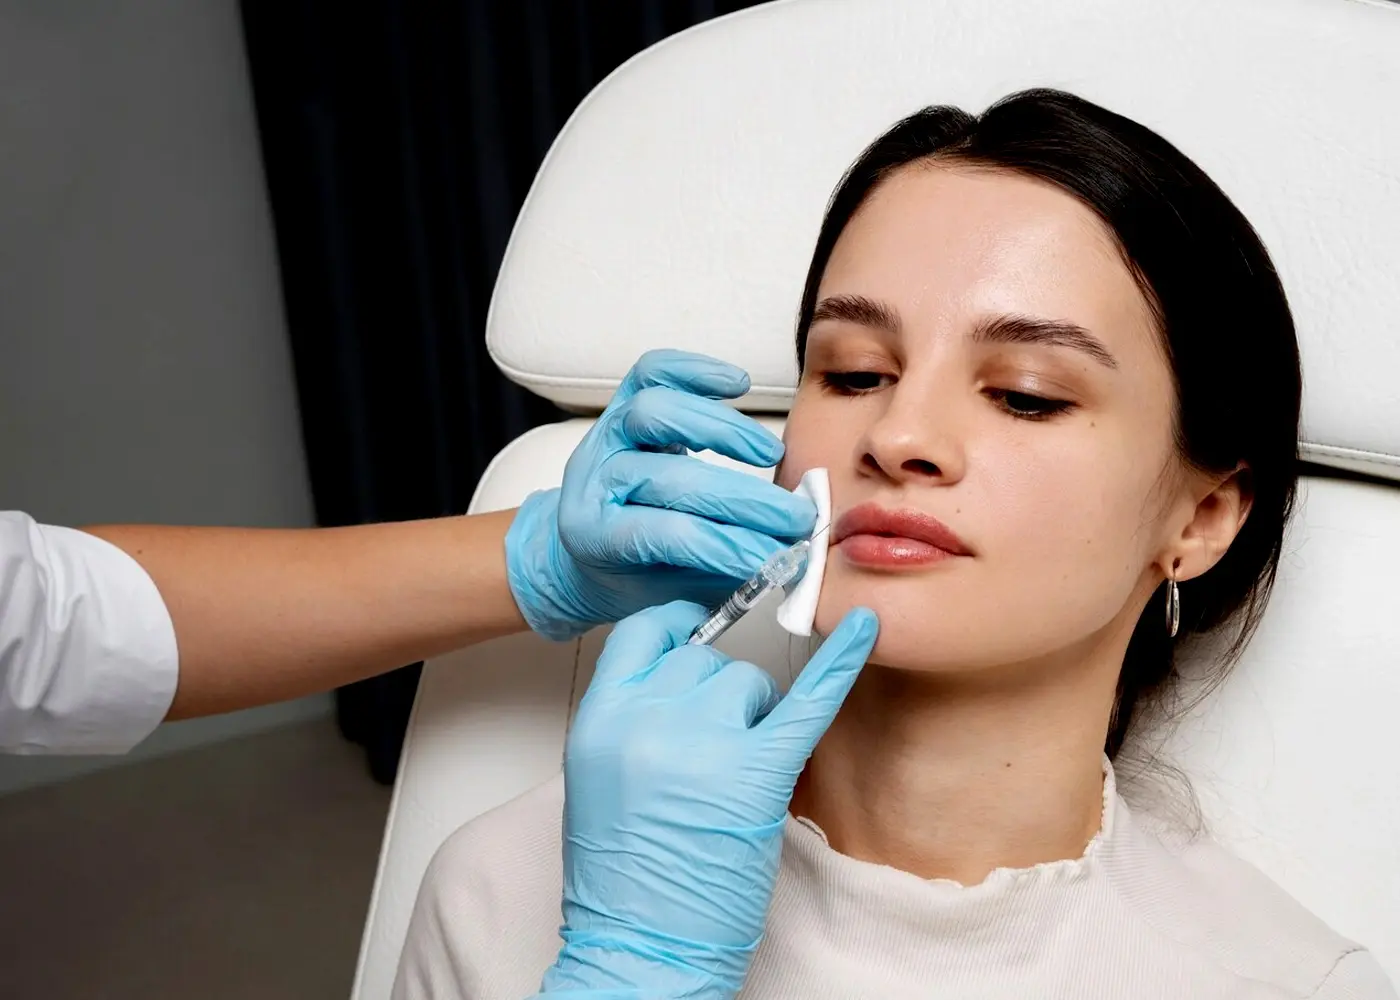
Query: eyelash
[[1020, 405], [844, 382], [1032, 407]]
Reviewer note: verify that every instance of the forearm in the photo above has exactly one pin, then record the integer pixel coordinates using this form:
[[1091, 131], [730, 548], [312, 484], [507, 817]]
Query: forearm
[[266, 615]]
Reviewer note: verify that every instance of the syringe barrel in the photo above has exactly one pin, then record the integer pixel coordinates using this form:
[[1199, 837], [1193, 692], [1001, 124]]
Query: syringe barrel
[[710, 629], [746, 596], [780, 568], [735, 607]]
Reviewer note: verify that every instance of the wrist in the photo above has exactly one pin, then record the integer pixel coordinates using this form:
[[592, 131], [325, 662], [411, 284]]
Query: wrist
[[540, 572]]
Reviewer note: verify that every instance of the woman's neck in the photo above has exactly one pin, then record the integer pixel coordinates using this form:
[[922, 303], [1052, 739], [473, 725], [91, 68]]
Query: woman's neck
[[953, 777]]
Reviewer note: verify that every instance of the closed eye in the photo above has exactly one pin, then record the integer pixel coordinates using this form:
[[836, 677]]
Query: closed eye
[[1024, 406], [855, 383]]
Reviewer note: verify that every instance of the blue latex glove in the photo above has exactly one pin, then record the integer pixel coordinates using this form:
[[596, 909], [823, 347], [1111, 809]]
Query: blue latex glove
[[637, 521], [678, 774]]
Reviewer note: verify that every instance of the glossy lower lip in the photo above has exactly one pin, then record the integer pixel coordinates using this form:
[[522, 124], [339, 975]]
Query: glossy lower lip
[[890, 551], [898, 536]]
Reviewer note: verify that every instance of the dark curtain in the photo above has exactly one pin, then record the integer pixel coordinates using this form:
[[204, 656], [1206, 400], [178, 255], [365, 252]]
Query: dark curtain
[[399, 139]]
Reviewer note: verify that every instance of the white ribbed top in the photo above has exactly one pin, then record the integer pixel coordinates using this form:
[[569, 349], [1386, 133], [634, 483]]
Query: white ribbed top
[[1131, 918]]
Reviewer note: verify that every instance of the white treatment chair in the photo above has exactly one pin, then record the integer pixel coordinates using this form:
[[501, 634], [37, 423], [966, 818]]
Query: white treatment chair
[[679, 208]]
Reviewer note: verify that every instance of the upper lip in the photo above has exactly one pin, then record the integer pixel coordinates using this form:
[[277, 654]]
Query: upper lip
[[872, 519]]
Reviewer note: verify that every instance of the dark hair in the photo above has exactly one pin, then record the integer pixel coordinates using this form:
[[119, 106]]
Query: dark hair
[[1221, 311]]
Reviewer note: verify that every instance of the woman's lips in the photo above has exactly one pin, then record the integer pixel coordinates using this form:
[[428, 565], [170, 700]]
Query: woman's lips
[[870, 535]]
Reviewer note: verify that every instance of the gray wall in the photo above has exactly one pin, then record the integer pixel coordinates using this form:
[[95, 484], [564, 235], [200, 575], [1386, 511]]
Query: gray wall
[[144, 367]]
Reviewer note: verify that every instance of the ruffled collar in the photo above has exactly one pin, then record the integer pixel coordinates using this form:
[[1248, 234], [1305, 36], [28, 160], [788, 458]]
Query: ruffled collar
[[806, 840]]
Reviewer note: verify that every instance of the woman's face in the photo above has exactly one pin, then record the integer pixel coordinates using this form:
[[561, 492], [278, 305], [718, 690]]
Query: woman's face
[[985, 383]]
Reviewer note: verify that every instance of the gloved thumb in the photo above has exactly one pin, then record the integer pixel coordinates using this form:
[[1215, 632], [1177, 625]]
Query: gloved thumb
[[641, 639], [798, 722]]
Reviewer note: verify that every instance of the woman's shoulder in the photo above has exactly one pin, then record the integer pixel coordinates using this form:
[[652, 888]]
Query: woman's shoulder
[[1211, 902], [520, 837], [486, 923]]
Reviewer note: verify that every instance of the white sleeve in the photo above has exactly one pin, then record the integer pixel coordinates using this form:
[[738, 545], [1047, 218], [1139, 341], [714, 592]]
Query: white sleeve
[[88, 661]]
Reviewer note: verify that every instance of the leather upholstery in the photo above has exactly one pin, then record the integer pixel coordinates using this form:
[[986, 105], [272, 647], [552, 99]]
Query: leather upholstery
[[678, 209], [679, 206]]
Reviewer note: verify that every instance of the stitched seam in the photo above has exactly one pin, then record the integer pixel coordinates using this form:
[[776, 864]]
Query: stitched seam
[[1332, 971], [1341, 451]]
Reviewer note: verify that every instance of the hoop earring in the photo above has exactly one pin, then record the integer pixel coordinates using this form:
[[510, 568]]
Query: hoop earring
[[1173, 608]]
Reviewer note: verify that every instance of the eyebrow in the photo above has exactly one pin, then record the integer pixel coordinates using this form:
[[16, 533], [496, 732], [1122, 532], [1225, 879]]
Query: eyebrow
[[859, 310], [1017, 329], [1012, 328]]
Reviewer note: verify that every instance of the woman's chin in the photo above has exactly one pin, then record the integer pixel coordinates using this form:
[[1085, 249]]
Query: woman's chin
[[910, 637], [899, 646]]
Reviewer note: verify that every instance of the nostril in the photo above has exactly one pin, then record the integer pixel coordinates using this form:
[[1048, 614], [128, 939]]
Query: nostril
[[920, 467]]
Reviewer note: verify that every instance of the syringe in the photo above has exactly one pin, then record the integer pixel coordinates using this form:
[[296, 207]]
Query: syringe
[[781, 568]]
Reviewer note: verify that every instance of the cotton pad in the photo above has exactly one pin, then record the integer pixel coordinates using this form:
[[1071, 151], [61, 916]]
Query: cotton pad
[[797, 613]]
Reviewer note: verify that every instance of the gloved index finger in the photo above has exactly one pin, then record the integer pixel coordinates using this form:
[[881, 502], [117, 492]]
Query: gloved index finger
[[806, 712], [725, 496], [661, 417], [687, 371], [641, 639]]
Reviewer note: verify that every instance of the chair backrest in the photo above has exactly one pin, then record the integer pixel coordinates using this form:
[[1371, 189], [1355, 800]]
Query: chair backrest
[[679, 208]]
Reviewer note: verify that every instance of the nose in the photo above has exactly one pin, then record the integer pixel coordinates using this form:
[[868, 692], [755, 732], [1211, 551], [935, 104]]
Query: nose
[[914, 439]]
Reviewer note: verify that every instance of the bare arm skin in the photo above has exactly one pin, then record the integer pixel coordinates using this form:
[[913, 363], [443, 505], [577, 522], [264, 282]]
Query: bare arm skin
[[266, 615]]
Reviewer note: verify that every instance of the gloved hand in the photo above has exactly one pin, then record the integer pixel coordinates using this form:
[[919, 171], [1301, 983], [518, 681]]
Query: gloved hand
[[637, 521], [678, 773]]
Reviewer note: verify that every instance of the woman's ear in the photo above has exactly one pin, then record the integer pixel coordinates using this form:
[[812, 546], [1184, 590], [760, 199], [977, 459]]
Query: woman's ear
[[1222, 505]]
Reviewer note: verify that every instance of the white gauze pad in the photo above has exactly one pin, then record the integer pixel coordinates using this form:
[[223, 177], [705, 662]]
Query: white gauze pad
[[797, 613]]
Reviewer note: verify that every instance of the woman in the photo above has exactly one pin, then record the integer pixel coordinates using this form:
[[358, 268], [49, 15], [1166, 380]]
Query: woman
[[1055, 380]]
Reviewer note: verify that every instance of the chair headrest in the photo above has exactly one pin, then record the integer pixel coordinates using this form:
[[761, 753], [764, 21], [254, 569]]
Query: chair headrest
[[680, 204]]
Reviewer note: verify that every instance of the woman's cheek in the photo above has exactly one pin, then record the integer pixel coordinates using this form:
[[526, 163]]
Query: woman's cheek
[[843, 590], [797, 459], [788, 474], [821, 431], [827, 614]]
